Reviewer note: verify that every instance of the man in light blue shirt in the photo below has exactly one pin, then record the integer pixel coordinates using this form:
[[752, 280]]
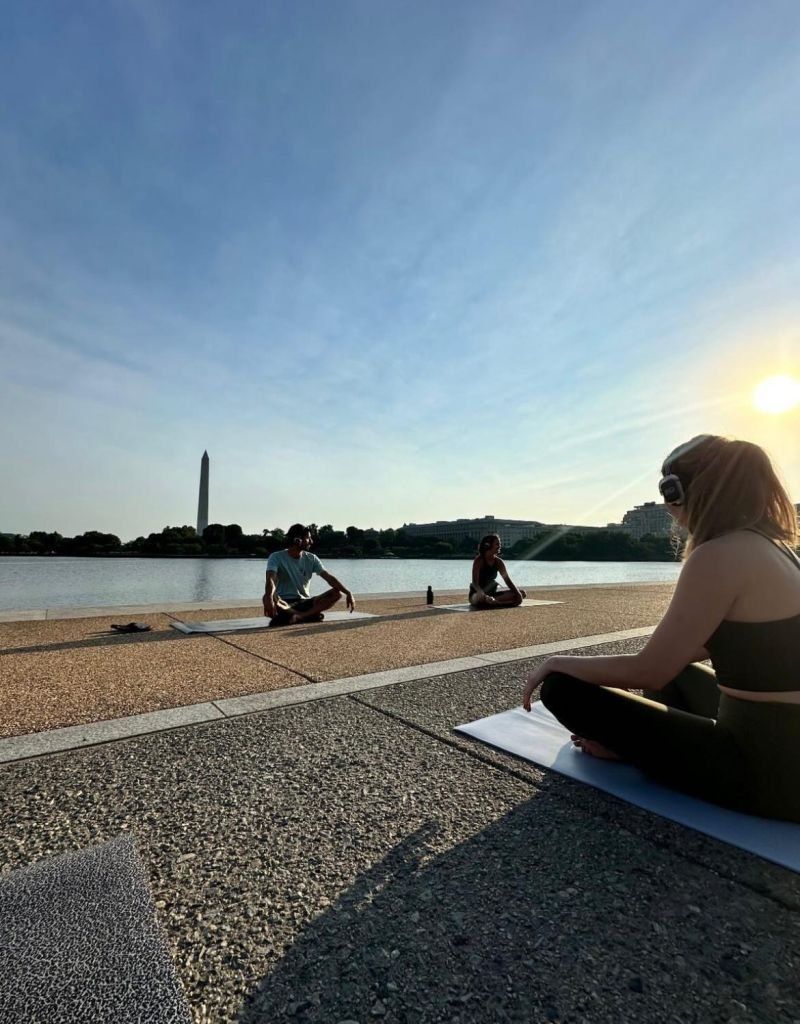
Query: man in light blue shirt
[[286, 597]]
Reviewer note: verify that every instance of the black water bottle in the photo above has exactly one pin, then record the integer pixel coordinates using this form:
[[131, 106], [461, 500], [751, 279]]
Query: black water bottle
[[429, 595]]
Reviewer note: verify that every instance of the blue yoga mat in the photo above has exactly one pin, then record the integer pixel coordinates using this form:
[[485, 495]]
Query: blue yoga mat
[[538, 737]]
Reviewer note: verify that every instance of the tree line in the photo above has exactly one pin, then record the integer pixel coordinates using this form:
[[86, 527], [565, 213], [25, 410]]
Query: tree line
[[219, 541]]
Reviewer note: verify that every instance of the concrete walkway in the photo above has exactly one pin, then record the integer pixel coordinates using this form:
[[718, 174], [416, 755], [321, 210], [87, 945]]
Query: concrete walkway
[[71, 672], [350, 858]]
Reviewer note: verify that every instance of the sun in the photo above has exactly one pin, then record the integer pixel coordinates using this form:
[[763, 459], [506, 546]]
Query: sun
[[778, 394]]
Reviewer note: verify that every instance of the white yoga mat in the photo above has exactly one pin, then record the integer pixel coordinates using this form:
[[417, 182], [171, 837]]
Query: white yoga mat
[[538, 737], [467, 607], [262, 622]]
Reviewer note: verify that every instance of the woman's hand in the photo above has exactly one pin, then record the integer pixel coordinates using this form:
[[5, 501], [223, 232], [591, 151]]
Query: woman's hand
[[536, 678]]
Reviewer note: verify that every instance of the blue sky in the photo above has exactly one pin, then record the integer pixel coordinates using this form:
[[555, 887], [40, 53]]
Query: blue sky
[[388, 262]]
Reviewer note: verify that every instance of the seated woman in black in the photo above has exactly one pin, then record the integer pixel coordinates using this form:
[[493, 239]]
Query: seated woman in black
[[732, 734], [483, 592]]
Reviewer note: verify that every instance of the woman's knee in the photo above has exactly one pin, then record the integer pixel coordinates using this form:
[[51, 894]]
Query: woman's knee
[[558, 691]]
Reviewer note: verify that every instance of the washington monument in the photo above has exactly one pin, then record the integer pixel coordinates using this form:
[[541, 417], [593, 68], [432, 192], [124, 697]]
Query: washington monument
[[202, 501]]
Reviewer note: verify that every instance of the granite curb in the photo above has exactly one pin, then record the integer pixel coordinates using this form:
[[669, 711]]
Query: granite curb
[[63, 739]]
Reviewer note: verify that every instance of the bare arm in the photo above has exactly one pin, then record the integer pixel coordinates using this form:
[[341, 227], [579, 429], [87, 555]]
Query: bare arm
[[269, 594], [333, 582], [476, 575], [501, 568], [706, 589]]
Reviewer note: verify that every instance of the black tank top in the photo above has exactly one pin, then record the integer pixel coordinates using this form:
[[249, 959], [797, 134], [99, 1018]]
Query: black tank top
[[758, 656], [487, 573]]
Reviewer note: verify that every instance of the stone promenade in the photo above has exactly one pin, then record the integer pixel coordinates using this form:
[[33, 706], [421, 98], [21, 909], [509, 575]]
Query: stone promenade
[[322, 847]]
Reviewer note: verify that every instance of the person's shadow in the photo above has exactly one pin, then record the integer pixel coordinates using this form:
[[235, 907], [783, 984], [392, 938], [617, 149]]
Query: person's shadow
[[535, 918]]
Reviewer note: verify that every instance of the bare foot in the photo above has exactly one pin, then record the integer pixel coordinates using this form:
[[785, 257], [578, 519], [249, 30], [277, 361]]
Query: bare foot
[[595, 749]]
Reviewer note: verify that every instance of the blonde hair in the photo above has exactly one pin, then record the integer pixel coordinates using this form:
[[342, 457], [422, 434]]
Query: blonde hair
[[731, 485]]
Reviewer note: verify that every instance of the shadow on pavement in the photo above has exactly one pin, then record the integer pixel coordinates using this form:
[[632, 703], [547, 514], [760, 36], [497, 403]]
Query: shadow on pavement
[[532, 921], [96, 640]]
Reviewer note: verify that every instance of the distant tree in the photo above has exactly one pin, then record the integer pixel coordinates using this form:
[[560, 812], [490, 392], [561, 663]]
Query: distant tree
[[46, 542], [93, 542], [468, 546], [553, 543], [658, 548], [214, 533]]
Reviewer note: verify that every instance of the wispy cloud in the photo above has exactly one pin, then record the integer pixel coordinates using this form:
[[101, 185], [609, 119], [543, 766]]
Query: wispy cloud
[[402, 262]]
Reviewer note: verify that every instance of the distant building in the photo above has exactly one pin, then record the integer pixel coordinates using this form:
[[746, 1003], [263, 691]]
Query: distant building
[[652, 517], [509, 530], [455, 530]]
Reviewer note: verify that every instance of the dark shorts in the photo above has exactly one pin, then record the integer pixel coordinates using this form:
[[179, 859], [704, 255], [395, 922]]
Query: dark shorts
[[300, 604], [490, 588]]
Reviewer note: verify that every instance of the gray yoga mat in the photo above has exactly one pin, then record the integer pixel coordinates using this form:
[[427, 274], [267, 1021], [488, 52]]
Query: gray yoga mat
[[467, 607], [79, 942], [233, 625], [538, 737]]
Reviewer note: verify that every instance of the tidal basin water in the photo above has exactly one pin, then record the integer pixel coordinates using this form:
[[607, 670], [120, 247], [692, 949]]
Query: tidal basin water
[[96, 582]]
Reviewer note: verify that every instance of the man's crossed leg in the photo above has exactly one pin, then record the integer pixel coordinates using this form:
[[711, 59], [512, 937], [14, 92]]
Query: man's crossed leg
[[309, 609]]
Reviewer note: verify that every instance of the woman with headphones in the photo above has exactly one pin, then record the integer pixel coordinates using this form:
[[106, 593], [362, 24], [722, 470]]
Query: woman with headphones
[[483, 592], [730, 734]]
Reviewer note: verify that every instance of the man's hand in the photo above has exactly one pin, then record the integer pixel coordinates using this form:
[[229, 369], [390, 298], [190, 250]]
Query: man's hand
[[269, 606], [351, 604]]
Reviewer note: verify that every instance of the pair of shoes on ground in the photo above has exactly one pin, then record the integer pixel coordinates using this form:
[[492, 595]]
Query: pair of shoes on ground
[[131, 627]]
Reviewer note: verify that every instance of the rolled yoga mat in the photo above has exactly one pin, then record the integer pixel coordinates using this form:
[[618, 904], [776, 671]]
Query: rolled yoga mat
[[537, 736]]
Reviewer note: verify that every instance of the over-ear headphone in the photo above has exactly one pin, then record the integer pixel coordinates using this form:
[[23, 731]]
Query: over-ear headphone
[[670, 486]]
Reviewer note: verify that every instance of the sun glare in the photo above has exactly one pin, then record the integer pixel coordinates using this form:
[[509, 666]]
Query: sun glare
[[775, 395]]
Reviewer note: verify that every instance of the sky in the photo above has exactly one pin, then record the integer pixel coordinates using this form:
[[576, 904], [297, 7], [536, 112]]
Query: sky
[[388, 262]]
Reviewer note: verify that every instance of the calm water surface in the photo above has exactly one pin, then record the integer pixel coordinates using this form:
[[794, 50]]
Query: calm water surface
[[76, 582]]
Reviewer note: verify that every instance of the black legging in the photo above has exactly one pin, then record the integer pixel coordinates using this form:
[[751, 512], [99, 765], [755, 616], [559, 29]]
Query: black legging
[[737, 753]]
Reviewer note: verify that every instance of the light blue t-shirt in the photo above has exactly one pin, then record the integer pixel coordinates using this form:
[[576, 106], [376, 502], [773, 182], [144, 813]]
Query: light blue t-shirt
[[292, 575]]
